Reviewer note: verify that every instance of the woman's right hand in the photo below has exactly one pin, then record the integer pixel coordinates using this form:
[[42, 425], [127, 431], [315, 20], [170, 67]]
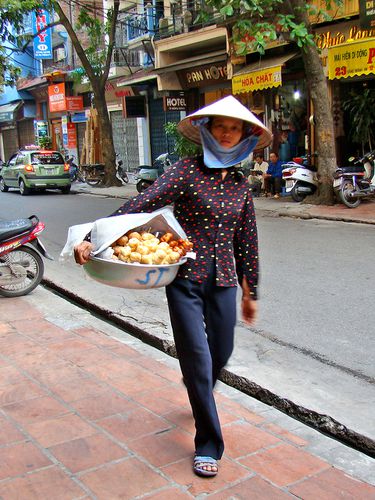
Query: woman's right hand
[[82, 252]]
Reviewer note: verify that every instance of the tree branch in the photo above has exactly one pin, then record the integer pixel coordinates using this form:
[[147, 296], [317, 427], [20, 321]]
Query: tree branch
[[111, 39]]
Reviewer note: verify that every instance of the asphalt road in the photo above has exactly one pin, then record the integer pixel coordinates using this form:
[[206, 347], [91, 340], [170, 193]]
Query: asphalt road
[[314, 341]]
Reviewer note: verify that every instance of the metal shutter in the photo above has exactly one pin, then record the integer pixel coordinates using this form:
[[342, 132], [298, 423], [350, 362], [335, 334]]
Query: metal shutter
[[125, 139], [158, 118]]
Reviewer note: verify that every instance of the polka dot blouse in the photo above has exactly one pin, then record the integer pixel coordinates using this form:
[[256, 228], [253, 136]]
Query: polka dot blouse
[[217, 216]]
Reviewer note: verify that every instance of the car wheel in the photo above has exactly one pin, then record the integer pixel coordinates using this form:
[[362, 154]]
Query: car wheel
[[24, 190], [65, 190], [3, 187]]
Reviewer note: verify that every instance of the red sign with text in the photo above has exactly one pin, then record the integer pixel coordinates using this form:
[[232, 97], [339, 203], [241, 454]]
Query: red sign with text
[[56, 97], [74, 103], [72, 136]]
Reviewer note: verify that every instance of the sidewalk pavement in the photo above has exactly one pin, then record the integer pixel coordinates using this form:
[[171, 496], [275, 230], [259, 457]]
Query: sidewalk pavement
[[89, 412], [284, 206]]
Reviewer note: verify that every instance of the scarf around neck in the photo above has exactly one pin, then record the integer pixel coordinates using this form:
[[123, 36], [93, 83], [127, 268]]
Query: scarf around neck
[[217, 156]]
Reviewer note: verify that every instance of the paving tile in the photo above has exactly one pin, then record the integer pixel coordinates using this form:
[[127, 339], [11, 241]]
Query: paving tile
[[98, 338], [284, 464], [86, 453], [8, 432], [103, 404], [242, 438], [176, 395], [50, 483], [158, 405], [123, 350], [133, 425], [20, 392], [19, 458], [59, 430], [61, 372], [182, 473], [10, 308], [5, 329], [70, 346], [11, 375], [284, 434], [17, 345], [168, 494], [138, 382], [71, 391], [38, 361], [164, 448], [332, 484], [236, 409], [124, 480], [254, 488], [41, 330], [183, 419], [90, 357], [34, 410]]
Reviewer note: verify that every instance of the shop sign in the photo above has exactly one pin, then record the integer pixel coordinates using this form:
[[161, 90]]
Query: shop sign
[[174, 103], [43, 40], [79, 117], [114, 94], [74, 103], [203, 76], [352, 59], [56, 97], [257, 80], [41, 128], [367, 13], [6, 116], [72, 136]]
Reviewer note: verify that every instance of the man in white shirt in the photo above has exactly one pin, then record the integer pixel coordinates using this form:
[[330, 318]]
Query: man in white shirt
[[256, 177]]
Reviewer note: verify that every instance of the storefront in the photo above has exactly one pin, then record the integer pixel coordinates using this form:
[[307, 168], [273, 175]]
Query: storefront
[[16, 126], [348, 58], [274, 89]]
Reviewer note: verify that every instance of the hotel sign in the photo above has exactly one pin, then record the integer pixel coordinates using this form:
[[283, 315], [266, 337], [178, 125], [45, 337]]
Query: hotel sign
[[203, 76]]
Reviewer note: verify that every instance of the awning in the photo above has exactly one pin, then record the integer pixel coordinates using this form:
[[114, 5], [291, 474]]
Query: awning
[[212, 57], [352, 59], [260, 75], [7, 111], [138, 77]]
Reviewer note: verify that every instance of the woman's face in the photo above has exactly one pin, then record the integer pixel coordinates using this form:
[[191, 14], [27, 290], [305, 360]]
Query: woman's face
[[227, 131]]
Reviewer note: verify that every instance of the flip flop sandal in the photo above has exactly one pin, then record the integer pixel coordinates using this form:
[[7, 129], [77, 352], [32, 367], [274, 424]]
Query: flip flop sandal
[[200, 462]]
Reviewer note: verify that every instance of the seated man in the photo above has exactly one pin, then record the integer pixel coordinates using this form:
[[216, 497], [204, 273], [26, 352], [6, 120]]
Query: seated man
[[273, 177], [256, 177]]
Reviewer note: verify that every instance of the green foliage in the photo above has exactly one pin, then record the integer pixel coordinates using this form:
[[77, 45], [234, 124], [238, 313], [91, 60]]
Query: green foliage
[[361, 108], [182, 146], [45, 142]]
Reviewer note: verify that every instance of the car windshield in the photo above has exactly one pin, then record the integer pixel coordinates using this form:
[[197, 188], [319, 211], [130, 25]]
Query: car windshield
[[47, 158]]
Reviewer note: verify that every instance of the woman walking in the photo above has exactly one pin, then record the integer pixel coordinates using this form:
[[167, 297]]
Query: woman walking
[[213, 203]]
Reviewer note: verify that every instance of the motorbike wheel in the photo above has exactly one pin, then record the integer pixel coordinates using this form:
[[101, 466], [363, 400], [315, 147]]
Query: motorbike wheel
[[297, 197], [3, 187], [30, 266], [142, 185], [344, 195], [92, 182]]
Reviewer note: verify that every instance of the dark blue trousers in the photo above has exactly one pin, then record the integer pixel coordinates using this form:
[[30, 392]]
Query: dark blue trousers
[[203, 318]]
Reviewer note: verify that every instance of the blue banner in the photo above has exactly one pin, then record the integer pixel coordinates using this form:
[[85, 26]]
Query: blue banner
[[42, 41]]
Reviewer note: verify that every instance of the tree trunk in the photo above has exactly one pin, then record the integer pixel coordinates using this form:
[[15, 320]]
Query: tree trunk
[[108, 149], [324, 135]]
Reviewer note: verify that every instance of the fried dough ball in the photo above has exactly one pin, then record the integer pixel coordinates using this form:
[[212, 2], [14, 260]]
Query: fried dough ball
[[135, 257], [122, 241], [125, 251], [116, 249], [147, 236], [134, 234], [167, 237], [146, 259], [143, 249], [163, 245], [133, 243]]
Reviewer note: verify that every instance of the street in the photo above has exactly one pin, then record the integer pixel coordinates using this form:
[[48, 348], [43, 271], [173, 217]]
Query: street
[[313, 342]]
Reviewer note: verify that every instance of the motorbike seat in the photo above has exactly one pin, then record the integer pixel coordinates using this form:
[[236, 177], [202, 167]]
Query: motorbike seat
[[353, 169], [10, 228]]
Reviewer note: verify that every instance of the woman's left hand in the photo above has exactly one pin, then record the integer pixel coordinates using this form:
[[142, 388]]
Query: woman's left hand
[[249, 310]]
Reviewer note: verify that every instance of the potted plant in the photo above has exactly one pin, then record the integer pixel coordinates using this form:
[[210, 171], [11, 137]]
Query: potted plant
[[45, 142], [182, 147], [361, 107]]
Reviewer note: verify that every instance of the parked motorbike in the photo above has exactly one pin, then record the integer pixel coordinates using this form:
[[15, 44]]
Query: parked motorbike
[[357, 181], [300, 178], [74, 171], [121, 173], [21, 264], [147, 174]]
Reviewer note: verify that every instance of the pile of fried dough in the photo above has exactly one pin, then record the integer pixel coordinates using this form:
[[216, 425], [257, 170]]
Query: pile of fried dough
[[146, 248]]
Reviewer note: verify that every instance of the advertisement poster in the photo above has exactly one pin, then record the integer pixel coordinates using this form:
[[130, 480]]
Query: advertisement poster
[[56, 97]]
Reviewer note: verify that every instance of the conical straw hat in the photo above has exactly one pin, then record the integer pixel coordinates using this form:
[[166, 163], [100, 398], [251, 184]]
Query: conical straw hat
[[228, 106]]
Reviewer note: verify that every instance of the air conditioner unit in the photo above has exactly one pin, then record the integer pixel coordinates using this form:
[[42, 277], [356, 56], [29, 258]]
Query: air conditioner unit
[[60, 54]]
